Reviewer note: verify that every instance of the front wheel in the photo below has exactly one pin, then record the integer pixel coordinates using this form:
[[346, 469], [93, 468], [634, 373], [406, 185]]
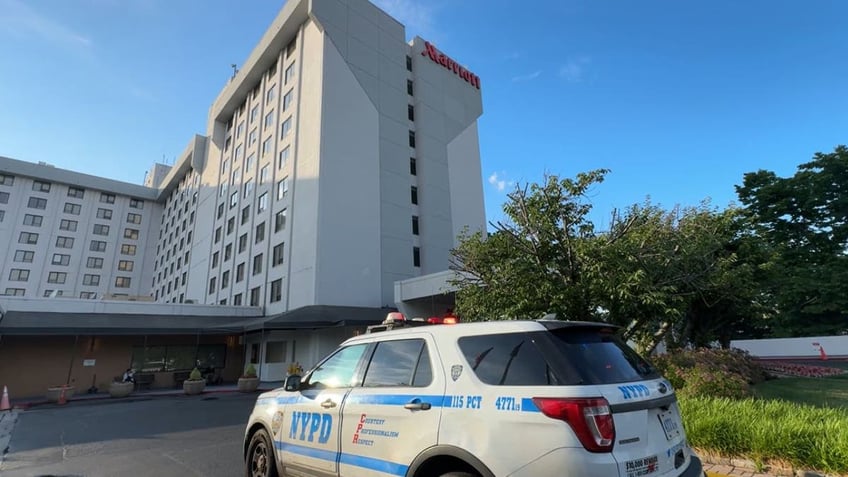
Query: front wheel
[[260, 456], [459, 474]]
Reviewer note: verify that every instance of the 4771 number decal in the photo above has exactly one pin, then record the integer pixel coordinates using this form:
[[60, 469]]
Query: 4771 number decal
[[507, 403]]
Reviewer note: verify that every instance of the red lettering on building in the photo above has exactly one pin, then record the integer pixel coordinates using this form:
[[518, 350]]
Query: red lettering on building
[[438, 57]]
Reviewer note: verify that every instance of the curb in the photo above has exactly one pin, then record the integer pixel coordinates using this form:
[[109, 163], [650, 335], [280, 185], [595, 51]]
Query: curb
[[26, 405], [8, 419], [743, 468]]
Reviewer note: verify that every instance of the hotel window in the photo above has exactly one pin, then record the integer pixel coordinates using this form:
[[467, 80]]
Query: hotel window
[[271, 94], [122, 282], [100, 229], [218, 235], [242, 243], [225, 279], [287, 100], [227, 144], [28, 238], [128, 249], [24, 256], [97, 246], [233, 199], [248, 188], [411, 138], [248, 164], [282, 188], [285, 128], [254, 112], [104, 214], [61, 259], [4, 197], [37, 203], [289, 75], [231, 225], [410, 112], [49, 293], [237, 300], [136, 204], [212, 285], [69, 225], [263, 202], [64, 242], [18, 275], [254, 135], [57, 277], [409, 87], [126, 265], [131, 234], [15, 292], [73, 209], [94, 262], [225, 166], [33, 220], [133, 218], [277, 254], [220, 210], [290, 48], [284, 157], [239, 150], [416, 257], [280, 220], [412, 166], [267, 145], [76, 192], [228, 251], [87, 295], [239, 129], [245, 215], [269, 119], [260, 233], [414, 195], [276, 290], [107, 198], [254, 296], [240, 272], [91, 280], [414, 225], [257, 264], [7, 180], [2, 215], [222, 191], [263, 174], [408, 63], [39, 186], [215, 259]]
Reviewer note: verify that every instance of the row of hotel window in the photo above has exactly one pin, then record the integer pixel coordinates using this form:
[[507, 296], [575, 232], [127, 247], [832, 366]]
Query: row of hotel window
[[22, 275], [71, 226], [264, 173], [31, 238], [75, 192], [69, 208], [85, 295]]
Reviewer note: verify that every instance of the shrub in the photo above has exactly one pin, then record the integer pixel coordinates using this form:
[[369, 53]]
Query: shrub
[[710, 372], [250, 372], [195, 375]]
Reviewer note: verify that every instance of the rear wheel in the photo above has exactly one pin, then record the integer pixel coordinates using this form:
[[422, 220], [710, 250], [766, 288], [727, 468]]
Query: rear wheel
[[260, 456]]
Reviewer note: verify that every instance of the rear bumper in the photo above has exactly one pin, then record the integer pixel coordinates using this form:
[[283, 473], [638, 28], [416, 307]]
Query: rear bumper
[[695, 468]]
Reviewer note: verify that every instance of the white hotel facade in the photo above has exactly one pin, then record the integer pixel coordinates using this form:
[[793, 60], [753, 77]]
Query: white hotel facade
[[339, 163]]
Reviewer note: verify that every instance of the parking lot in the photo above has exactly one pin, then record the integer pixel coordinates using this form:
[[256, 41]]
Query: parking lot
[[173, 436]]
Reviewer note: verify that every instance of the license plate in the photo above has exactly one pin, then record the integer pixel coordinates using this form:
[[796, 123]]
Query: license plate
[[670, 425]]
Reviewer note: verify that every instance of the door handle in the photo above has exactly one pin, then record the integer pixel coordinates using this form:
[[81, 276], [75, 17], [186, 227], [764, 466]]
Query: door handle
[[417, 405], [328, 404]]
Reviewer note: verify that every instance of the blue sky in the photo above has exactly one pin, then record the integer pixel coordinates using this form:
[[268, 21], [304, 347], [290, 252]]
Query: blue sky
[[678, 99]]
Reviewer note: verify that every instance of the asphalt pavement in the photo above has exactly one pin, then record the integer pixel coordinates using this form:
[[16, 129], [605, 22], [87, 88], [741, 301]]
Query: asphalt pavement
[[161, 437]]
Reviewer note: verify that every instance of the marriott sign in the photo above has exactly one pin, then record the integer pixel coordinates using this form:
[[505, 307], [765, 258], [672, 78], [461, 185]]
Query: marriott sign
[[444, 60]]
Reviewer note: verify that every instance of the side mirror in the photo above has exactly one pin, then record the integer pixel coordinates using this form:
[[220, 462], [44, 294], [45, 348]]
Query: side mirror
[[292, 383]]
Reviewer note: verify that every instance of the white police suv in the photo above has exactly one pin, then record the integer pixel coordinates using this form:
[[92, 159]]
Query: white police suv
[[508, 398]]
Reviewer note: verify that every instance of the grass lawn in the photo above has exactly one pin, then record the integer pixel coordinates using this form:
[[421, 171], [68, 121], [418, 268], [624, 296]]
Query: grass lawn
[[822, 392]]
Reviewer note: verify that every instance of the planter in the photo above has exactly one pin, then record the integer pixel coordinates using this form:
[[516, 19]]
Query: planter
[[248, 385], [119, 390], [56, 391], [193, 387]]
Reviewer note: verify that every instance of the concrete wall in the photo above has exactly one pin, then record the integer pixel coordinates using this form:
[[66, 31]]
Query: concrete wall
[[834, 347]]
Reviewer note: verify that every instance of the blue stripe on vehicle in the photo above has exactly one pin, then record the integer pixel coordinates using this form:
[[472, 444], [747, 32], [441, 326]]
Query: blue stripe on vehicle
[[347, 459], [527, 405], [395, 399]]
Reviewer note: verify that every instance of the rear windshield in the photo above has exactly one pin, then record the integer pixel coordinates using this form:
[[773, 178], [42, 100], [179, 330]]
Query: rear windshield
[[560, 357]]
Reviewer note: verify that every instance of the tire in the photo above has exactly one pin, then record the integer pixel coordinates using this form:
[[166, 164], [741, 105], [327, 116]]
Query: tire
[[459, 474], [260, 460]]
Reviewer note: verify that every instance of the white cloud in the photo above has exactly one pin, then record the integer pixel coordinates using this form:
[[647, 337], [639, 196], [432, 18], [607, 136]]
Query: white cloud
[[527, 77], [500, 182], [574, 69], [21, 19], [417, 15]]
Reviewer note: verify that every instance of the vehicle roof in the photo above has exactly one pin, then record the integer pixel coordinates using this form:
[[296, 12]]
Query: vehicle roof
[[479, 328]]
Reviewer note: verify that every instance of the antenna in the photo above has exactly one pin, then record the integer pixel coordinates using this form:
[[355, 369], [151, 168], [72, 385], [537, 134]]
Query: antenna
[[235, 69]]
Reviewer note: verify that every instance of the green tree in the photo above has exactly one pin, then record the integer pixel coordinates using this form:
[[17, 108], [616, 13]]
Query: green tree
[[804, 218]]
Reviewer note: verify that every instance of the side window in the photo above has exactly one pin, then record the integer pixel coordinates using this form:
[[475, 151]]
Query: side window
[[398, 363], [337, 371], [510, 359]]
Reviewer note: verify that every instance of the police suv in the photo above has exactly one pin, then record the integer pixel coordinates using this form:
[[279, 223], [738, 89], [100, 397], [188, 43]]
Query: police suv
[[508, 398]]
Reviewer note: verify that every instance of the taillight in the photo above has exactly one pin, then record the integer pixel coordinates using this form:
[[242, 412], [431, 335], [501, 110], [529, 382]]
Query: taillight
[[589, 418], [439, 320]]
